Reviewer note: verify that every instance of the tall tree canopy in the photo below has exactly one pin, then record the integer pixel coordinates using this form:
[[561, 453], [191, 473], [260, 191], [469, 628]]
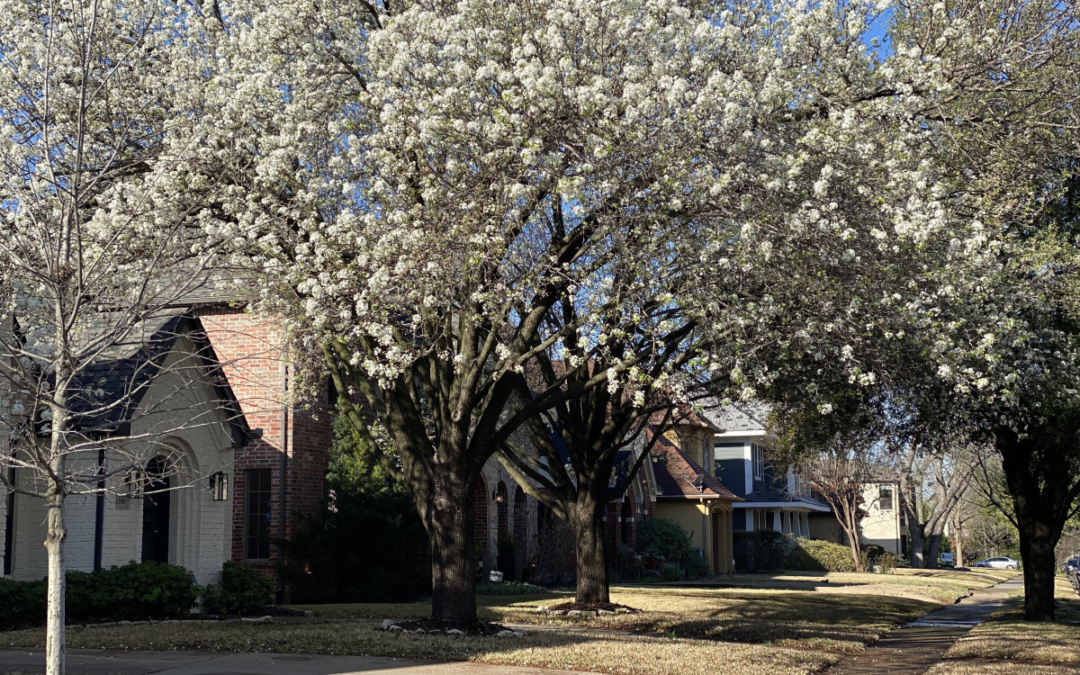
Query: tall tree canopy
[[422, 185]]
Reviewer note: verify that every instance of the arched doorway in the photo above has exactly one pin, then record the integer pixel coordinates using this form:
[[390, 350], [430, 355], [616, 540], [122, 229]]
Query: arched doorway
[[157, 502]]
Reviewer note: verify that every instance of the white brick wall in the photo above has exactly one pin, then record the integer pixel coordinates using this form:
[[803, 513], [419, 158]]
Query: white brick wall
[[199, 528]]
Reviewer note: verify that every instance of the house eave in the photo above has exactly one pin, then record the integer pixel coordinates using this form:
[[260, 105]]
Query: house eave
[[790, 506]]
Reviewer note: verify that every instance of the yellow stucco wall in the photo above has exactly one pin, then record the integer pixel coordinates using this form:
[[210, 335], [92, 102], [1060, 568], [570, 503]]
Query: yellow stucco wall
[[691, 516]]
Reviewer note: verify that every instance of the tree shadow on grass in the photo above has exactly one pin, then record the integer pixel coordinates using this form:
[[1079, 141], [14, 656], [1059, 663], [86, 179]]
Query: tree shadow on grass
[[792, 619]]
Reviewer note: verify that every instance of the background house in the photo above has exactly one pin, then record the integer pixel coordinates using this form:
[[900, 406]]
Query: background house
[[688, 493], [880, 524], [772, 499], [275, 479]]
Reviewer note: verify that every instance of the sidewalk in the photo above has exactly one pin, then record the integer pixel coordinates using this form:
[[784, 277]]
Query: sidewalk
[[91, 662], [913, 648]]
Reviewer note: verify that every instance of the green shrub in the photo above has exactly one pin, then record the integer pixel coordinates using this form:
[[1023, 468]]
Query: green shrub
[[506, 545], [143, 590], [133, 591], [510, 588], [22, 601], [672, 572], [812, 555], [366, 542], [697, 568], [760, 550], [242, 591], [666, 539]]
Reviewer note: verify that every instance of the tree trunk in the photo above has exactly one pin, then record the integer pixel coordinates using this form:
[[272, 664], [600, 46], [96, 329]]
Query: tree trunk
[[914, 524], [934, 552], [586, 520], [1040, 472], [916, 542], [856, 555], [958, 542], [1037, 551], [54, 544], [453, 572]]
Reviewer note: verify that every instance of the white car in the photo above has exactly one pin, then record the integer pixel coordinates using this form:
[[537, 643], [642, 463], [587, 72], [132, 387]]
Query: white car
[[1001, 563]]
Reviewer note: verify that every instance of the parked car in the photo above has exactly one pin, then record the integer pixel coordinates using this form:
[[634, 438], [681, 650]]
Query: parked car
[[1070, 565], [1001, 563]]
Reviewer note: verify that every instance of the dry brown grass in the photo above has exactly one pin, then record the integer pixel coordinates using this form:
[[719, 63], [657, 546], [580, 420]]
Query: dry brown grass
[[1007, 636], [1001, 668], [834, 622], [599, 652], [804, 620], [780, 625], [942, 585]]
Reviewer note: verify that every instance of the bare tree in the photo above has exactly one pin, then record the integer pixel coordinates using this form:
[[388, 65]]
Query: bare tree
[[839, 477], [96, 251], [931, 487]]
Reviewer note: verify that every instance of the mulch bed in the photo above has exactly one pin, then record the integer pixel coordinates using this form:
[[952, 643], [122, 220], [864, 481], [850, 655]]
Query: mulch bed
[[591, 606], [478, 629]]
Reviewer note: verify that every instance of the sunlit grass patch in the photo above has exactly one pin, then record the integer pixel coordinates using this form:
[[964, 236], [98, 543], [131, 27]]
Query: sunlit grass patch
[[1007, 636]]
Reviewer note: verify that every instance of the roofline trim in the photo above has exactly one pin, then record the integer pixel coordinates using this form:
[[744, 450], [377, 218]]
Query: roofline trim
[[791, 506]]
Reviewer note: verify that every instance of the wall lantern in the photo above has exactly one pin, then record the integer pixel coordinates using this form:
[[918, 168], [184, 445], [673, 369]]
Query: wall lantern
[[134, 485], [496, 496], [219, 486]]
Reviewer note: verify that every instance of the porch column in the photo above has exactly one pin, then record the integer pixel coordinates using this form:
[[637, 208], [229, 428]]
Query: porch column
[[776, 525]]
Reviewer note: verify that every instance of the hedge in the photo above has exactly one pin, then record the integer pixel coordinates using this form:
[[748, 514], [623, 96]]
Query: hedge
[[812, 555], [764, 550], [760, 550], [133, 591], [242, 590]]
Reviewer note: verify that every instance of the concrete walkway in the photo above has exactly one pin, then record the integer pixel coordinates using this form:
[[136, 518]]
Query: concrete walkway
[[913, 648], [96, 662]]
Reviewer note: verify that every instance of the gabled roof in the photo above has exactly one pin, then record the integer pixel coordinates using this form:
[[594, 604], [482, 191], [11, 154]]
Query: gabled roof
[[749, 418], [679, 477], [684, 416], [112, 388]]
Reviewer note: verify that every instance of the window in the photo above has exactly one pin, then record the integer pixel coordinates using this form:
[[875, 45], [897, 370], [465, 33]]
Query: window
[[257, 514], [885, 497], [331, 394], [757, 458]]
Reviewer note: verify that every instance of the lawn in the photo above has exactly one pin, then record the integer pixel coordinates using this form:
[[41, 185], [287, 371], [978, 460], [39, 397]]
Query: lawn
[[1007, 636], [600, 652], [1001, 668], [938, 585], [778, 624]]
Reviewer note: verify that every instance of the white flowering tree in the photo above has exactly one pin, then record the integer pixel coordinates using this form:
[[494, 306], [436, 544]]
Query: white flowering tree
[[959, 304], [93, 225], [423, 184], [474, 166]]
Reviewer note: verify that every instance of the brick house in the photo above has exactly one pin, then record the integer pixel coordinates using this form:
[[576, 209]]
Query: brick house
[[295, 443], [275, 478]]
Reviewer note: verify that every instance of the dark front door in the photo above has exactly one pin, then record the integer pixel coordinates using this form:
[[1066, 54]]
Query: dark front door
[[155, 523]]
